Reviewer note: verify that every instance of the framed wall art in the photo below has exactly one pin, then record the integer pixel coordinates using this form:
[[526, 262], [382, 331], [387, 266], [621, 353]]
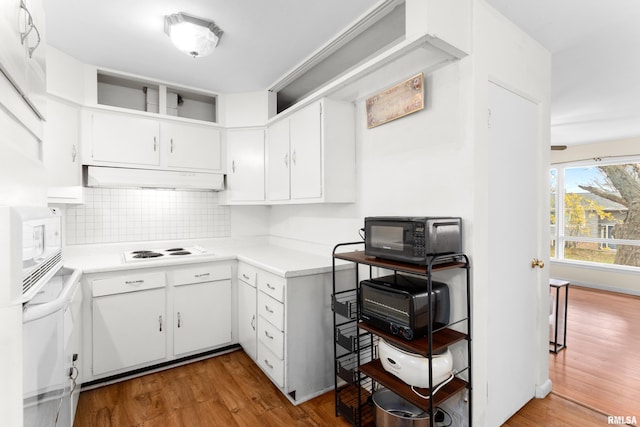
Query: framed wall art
[[397, 101]]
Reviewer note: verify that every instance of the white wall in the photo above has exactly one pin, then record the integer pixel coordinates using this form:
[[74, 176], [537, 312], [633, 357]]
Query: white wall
[[597, 276], [434, 162]]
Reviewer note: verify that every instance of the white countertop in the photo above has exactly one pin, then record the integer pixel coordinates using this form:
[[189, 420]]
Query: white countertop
[[279, 260]]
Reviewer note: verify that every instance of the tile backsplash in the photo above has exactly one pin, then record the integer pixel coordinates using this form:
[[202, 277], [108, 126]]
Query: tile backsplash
[[124, 215]]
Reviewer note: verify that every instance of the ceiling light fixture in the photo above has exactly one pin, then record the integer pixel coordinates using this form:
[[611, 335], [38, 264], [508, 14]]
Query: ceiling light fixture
[[194, 36]]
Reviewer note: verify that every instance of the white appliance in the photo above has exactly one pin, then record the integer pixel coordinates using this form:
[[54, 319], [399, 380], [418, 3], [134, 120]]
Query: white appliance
[[158, 254], [413, 368], [47, 318], [49, 358]]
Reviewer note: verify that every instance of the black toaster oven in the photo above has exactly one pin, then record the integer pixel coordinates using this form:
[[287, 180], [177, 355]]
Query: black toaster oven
[[399, 304]]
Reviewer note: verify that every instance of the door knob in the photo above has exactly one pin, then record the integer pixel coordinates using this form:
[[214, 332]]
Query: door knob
[[535, 262]]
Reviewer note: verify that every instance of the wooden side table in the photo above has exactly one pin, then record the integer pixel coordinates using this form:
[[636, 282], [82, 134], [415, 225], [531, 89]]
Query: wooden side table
[[559, 289]]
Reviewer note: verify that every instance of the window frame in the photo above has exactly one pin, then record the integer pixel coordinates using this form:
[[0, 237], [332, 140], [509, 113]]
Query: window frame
[[557, 230]]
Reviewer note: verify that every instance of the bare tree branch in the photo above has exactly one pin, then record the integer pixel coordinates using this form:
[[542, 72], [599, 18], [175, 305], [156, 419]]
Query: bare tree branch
[[605, 195]]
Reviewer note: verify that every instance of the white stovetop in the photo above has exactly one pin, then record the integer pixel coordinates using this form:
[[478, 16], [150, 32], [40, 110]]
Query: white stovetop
[[261, 252]]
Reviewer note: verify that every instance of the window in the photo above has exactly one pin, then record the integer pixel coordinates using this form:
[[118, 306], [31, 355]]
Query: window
[[595, 211]]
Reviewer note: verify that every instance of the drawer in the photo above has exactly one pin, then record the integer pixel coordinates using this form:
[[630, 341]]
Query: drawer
[[272, 337], [271, 310], [271, 285], [248, 274], [199, 274], [129, 283], [271, 364]]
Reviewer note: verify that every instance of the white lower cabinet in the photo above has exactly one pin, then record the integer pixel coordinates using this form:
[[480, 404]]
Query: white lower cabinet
[[129, 321], [202, 308], [294, 329], [143, 317], [247, 317]]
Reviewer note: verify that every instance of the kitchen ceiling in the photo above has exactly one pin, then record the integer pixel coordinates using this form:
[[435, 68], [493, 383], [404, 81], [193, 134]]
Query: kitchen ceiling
[[262, 40], [595, 84]]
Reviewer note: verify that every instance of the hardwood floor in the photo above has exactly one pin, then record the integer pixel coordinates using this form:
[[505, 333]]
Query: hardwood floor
[[230, 390], [600, 368]]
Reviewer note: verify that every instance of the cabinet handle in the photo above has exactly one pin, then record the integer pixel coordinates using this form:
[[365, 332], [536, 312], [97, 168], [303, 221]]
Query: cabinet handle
[[245, 277], [171, 148], [273, 288], [286, 160], [253, 322], [268, 336], [266, 307], [201, 275], [233, 166], [268, 364], [293, 157], [179, 319], [133, 282], [29, 26], [74, 153], [155, 144], [160, 322]]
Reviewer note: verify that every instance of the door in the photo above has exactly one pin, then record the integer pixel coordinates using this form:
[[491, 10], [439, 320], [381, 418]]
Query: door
[[202, 317], [247, 320], [192, 146], [129, 329], [118, 138], [278, 156], [514, 146], [245, 165], [306, 153]]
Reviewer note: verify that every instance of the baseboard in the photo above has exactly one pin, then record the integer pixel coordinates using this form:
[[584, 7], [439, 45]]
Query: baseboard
[[542, 390]]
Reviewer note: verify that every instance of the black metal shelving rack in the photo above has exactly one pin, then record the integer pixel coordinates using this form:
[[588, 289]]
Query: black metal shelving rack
[[357, 369]]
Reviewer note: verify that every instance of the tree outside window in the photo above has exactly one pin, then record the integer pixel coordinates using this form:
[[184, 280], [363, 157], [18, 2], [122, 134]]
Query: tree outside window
[[600, 219]]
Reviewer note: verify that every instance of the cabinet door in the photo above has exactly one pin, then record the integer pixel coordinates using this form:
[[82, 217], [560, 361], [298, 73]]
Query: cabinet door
[[247, 318], [192, 146], [306, 153], [60, 152], [128, 329], [123, 139], [245, 165], [278, 158], [202, 316]]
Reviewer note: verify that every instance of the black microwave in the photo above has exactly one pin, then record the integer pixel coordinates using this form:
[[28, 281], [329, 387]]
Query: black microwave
[[415, 240]]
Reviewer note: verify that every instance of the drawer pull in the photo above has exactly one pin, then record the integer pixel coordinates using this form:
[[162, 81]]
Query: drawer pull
[[266, 307], [245, 277], [273, 288], [133, 282], [268, 364], [202, 275], [253, 322], [179, 320], [268, 336], [160, 322]]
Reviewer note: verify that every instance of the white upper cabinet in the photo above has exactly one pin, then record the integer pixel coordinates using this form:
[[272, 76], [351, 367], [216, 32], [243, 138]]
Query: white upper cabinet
[[191, 146], [123, 139], [61, 152], [311, 155], [245, 165], [22, 57], [305, 138], [278, 161]]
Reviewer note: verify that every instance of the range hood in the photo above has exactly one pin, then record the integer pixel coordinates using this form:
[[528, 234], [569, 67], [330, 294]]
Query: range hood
[[109, 177]]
